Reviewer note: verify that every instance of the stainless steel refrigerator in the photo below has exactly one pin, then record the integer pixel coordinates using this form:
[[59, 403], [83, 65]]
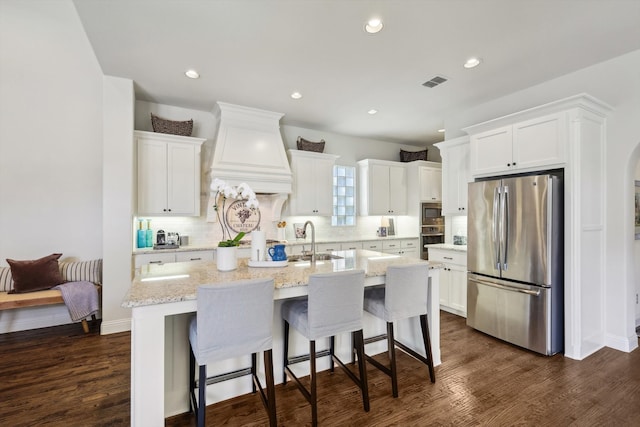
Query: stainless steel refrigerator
[[515, 260]]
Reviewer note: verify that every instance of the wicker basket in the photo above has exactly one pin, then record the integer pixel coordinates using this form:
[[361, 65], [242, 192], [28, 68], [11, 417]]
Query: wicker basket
[[173, 127], [411, 156], [303, 144]]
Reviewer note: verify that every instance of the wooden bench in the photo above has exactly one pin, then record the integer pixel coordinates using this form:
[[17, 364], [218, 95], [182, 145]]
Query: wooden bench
[[37, 299]]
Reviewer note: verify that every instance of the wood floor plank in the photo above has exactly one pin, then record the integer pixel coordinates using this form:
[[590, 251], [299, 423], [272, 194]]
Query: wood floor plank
[[61, 377]]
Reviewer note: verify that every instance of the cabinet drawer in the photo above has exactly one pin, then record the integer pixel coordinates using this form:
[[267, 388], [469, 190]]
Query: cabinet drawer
[[327, 247], [159, 258], [448, 256], [372, 246], [391, 245], [349, 246], [194, 256]]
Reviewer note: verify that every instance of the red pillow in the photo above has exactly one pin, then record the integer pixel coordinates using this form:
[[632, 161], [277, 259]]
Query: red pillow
[[35, 275]]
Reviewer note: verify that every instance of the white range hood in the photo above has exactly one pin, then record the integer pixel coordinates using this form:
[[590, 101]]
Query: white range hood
[[249, 148]]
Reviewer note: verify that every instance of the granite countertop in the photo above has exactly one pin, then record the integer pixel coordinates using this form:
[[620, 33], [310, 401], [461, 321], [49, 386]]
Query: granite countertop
[[448, 246], [173, 282], [293, 242]]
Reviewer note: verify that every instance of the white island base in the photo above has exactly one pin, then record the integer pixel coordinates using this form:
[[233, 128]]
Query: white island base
[[160, 343]]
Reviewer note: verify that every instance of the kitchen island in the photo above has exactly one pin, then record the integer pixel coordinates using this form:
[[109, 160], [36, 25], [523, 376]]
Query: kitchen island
[[163, 297]]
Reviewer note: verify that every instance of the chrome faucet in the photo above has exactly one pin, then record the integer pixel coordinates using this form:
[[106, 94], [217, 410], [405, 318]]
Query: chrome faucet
[[313, 241]]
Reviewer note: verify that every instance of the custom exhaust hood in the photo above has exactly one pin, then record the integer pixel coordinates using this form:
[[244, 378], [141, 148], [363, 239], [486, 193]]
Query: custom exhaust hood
[[249, 148]]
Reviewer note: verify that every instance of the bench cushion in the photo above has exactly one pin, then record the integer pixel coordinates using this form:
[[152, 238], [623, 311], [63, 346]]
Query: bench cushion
[[72, 271]]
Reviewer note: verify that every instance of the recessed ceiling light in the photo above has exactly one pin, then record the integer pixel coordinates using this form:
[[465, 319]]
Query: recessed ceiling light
[[372, 111], [441, 130], [472, 62], [296, 95], [373, 26], [192, 74]]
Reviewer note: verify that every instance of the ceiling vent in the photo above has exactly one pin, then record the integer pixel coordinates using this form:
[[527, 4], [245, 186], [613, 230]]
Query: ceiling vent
[[437, 80]]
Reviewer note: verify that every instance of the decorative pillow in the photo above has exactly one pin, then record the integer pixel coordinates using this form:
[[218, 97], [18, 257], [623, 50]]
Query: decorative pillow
[[6, 280], [305, 145], [78, 271], [35, 275], [410, 156]]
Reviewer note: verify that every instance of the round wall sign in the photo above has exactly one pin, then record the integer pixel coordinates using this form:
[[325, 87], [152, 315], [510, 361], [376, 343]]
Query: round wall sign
[[241, 218]]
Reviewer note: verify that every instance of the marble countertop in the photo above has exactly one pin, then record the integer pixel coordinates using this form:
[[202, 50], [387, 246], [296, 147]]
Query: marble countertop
[[173, 282], [139, 251], [448, 246]]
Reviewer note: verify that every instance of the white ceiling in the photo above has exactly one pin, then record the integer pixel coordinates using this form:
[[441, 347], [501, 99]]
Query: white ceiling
[[257, 52]]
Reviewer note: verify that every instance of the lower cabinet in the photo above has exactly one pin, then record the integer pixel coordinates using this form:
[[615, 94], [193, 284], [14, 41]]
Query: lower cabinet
[[404, 247], [164, 257], [453, 279]]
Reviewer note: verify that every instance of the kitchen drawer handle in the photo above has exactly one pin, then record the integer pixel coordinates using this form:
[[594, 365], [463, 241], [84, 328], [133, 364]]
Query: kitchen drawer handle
[[506, 288], [155, 262], [447, 257], [195, 259]]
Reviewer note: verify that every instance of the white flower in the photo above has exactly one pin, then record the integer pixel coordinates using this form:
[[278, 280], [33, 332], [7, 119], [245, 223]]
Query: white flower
[[229, 192], [217, 184], [252, 202]]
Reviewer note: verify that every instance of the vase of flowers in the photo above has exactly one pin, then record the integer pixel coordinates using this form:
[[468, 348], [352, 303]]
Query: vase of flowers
[[227, 252]]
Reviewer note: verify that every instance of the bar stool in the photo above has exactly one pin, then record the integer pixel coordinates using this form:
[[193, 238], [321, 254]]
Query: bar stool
[[404, 295], [333, 306], [232, 320]]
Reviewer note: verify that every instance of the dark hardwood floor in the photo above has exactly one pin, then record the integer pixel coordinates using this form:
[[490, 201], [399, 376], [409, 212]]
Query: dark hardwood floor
[[61, 377]]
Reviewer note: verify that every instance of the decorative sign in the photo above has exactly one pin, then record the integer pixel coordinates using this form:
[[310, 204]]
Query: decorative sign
[[241, 218]]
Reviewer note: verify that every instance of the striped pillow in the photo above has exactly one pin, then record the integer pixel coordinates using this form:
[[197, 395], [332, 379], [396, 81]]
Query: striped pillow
[[77, 271], [6, 280]]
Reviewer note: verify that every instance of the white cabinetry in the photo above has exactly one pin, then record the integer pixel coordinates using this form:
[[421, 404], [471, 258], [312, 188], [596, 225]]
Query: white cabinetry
[[453, 279], [383, 187], [430, 179], [528, 145], [455, 175], [404, 247], [165, 257], [168, 174], [312, 183]]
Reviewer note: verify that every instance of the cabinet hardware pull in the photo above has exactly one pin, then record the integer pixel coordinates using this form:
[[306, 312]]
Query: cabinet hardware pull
[[155, 262], [195, 259], [448, 257]]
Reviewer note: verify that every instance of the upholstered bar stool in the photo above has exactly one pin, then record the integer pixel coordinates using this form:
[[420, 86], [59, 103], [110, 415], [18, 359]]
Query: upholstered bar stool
[[333, 306], [403, 296], [233, 319]]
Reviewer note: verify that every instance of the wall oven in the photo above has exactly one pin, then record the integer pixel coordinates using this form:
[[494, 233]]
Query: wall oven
[[432, 223]]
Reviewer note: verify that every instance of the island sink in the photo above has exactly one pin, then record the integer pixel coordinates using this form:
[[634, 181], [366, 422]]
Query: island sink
[[319, 257]]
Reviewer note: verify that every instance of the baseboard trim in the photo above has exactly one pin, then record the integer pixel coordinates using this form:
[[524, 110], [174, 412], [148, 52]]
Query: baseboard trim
[[115, 326], [626, 344]]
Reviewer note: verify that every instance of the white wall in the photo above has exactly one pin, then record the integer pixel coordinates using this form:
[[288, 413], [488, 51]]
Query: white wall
[[615, 82], [50, 141]]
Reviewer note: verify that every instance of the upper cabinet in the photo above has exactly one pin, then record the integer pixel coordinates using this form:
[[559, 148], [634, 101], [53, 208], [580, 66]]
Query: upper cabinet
[[430, 179], [168, 174], [521, 147], [383, 187], [312, 183], [455, 175]]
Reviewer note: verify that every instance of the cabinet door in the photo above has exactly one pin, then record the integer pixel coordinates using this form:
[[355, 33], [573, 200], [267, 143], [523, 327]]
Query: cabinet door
[[183, 196], [540, 142], [152, 177], [313, 185], [445, 287], [455, 170], [458, 289], [323, 180], [392, 247], [491, 151], [378, 191], [430, 184], [397, 190]]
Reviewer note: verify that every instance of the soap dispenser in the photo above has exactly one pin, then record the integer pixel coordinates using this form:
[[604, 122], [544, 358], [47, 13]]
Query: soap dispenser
[[141, 241]]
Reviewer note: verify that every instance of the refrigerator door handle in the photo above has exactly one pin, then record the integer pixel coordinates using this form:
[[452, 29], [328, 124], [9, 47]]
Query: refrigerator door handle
[[505, 287], [494, 227], [504, 217]]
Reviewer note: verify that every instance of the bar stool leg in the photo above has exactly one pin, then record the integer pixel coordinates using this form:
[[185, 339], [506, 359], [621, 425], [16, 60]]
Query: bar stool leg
[[202, 399], [286, 352], [391, 348], [358, 339], [314, 393], [271, 389], [253, 371], [424, 324], [192, 378], [332, 351]]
